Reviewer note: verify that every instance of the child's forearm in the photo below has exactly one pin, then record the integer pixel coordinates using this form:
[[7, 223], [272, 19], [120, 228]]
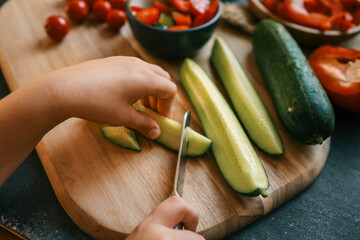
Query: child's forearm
[[26, 115]]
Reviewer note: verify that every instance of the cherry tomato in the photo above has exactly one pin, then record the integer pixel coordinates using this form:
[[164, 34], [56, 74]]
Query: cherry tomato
[[101, 9], [56, 27], [118, 4], [90, 3], [148, 15], [116, 18], [76, 10]]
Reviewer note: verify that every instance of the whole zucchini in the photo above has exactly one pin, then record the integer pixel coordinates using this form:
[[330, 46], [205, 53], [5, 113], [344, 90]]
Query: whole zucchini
[[299, 99]]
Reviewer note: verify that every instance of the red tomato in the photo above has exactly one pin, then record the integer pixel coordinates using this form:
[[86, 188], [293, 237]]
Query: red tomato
[[116, 19], [199, 6], [90, 3], [101, 9], [76, 10], [148, 15], [161, 7], [56, 27], [118, 4]]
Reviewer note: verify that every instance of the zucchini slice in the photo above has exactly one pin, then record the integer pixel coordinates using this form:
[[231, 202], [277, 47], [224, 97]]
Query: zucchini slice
[[171, 133], [234, 154], [121, 136], [248, 105]]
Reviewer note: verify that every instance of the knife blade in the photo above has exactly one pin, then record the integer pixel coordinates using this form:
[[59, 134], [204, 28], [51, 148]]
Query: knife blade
[[181, 162]]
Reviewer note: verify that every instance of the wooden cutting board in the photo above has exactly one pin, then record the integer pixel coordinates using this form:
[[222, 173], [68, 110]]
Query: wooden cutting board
[[108, 190]]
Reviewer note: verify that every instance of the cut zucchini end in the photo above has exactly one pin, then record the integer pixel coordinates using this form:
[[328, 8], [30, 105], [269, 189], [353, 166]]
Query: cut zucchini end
[[121, 136], [263, 193]]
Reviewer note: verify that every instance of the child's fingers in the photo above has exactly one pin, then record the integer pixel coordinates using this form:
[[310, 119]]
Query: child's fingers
[[142, 123], [145, 101], [160, 71], [174, 210], [153, 103], [185, 234], [164, 105], [162, 92]]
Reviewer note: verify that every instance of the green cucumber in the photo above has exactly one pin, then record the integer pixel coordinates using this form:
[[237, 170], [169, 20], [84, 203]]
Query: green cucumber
[[299, 99], [234, 154], [121, 136], [166, 20], [248, 105], [171, 133]]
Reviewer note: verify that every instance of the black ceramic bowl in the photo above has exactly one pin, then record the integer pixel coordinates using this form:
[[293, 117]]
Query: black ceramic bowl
[[170, 44]]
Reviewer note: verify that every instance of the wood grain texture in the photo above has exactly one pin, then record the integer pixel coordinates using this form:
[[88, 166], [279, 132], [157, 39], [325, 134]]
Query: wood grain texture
[[108, 190]]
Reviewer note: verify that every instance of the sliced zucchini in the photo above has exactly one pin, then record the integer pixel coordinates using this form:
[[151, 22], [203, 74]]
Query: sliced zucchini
[[234, 154], [121, 136], [171, 133], [248, 105]]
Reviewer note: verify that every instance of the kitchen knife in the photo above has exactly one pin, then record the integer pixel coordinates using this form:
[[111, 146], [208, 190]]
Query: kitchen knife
[[181, 161]]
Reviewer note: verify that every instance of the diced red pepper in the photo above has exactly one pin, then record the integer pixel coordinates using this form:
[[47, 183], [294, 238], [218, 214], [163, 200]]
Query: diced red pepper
[[333, 21], [178, 28], [346, 25], [136, 8], [181, 18], [212, 9], [161, 7], [199, 20], [280, 10], [199, 6], [296, 12], [271, 5], [181, 5], [148, 15], [357, 17], [335, 6]]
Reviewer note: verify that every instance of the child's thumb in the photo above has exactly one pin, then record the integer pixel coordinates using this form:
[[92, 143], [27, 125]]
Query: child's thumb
[[143, 123]]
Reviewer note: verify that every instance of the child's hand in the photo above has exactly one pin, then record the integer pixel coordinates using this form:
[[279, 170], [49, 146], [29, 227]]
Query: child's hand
[[104, 91], [159, 224]]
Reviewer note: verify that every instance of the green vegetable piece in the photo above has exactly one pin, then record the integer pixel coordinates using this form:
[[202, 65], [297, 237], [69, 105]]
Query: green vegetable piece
[[234, 154], [166, 19], [121, 136], [248, 105], [299, 99], [171, 133]]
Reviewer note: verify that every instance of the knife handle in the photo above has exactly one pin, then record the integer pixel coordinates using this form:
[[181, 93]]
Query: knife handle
[[179, 226]]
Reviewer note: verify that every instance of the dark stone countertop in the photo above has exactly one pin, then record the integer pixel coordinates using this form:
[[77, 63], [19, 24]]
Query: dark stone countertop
[[328, 209]]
